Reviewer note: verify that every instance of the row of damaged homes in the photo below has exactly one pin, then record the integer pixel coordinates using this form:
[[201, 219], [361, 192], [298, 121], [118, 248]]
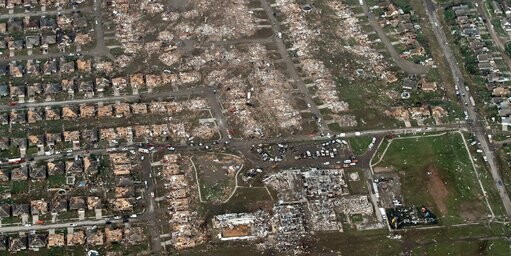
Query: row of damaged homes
[[91, 237], [10, 4], [71, 86]]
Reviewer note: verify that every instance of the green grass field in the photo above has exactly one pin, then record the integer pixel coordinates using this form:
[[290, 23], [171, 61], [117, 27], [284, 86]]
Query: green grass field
[[436, 172], [468, 240], [359, 145]]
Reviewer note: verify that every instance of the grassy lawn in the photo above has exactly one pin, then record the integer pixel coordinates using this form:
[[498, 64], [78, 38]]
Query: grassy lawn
[[357, 186], [366, 102], [359, 145], [485, 247], [216, 174], [436, 172], [56, 181], [467, 240]]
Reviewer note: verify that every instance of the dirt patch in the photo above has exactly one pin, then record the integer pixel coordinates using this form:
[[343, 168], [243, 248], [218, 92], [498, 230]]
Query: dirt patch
[[382, 169], [437, 189], [471, 211]]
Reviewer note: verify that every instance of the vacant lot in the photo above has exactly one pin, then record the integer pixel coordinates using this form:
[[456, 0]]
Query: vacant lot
[[436, 172], [359, 145]]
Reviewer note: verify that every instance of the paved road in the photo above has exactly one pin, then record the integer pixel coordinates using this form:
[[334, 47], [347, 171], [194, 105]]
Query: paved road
[[149, 214], [202, 91], [100, 49], [407, 66], [291, 69], [10, 229], [239, 41], [126, 98], [477, 127], [217, 112]]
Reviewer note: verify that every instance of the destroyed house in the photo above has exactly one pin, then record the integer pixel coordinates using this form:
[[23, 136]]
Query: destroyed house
[[4, 69], [76, 238], [134, 235], [87, 111], [14, 26], [86, 87], [113, 235], [79, 22], [17, 91], [123, 192], [69, 113], [56, 240], [34, 140], [90, 165], [67, 66], [120, 83], [31, 23], [34, 90], [55, 168], [122, 204], [50, 67], [17, 244], [19, 174], [105, 111], [70, 136], [4, 175], [90, 135], [34, 116], [20, 143], [52, 88], [4, 120], [32, 68], [37, 241], [38, 172], [4, 90], [53, 138], [20, 209], [95, 237], [58, 205], [74, 166], [84, 65], [3, 243], [47, 22], [5, 210], [39, 206], [17, 117], [76, 203], [32, 41], [101, 84], [68, 85], [93, 202], [137, 80], [48, 40], [51, 114]]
